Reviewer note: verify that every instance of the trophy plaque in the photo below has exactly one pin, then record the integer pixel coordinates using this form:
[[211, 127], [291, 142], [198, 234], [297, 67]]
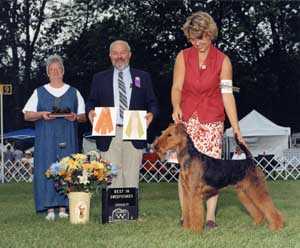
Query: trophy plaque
[[60, 112], [119, 204]]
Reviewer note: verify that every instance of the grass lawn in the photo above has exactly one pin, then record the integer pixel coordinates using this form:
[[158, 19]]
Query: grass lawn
[[158, 227]]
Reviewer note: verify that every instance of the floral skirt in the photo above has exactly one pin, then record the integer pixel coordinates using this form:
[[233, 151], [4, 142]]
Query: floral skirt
[[207, 137]]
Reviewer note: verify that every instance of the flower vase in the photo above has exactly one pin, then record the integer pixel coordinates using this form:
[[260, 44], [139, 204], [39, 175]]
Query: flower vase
[[79, 207]]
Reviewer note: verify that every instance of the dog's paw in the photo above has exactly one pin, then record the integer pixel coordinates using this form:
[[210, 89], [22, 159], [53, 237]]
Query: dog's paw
[[277, 224], [259, 221]]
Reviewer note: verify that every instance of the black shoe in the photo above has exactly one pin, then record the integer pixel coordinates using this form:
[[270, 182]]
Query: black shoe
[[181, 222]]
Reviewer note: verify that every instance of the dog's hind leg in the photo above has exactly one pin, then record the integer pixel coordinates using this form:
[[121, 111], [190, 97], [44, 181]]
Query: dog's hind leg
[[180, 196], [253, 210], [257, 191]]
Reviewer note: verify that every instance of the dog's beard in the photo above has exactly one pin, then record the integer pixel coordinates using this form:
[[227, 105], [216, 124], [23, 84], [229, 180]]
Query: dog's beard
[[164, 156], [161, 155]]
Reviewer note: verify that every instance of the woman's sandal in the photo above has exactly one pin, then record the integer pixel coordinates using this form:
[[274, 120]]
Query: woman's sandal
[[210, 225]]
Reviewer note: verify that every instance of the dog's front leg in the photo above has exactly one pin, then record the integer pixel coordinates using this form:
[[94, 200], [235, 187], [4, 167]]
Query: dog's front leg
[[193, 205], [184, 197], [197, 209], [192, 201]]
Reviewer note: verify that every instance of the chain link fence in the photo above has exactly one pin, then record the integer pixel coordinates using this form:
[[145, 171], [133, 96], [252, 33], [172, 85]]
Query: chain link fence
[[275, 168], [16, 171]]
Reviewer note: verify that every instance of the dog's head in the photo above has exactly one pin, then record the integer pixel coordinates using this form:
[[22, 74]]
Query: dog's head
[[173, 138]]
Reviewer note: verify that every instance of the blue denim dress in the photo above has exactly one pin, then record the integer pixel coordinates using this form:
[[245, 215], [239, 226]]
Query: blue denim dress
[[54, 139]]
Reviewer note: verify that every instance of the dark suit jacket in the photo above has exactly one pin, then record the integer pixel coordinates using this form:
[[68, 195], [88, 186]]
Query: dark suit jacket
[[102, 95]]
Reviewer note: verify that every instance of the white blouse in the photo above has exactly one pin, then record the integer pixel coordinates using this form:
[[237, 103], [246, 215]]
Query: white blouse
[[32, 102]]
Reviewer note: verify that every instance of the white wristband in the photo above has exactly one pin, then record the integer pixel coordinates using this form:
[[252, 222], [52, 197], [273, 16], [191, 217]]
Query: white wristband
[[226, 86]]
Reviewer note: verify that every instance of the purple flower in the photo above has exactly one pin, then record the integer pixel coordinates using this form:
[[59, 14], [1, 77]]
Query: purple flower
[[137, 82]]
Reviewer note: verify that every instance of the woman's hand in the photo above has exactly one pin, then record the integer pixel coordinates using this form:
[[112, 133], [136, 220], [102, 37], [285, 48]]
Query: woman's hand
[[177, 115], [178, 79], [71, 117], [45, 115], [239, 136]]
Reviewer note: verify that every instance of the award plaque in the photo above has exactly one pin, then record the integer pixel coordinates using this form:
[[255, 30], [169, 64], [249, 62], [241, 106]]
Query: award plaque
[[59, 115], [119, 204], [60, 112]]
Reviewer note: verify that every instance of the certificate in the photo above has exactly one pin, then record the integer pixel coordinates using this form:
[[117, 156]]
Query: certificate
[[104, 123], [134, 125]]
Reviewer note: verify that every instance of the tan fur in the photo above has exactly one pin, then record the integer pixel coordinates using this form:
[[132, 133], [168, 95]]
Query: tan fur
[[251, 190]]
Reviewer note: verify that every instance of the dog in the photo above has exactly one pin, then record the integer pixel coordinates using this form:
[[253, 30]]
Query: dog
[[202, 176]]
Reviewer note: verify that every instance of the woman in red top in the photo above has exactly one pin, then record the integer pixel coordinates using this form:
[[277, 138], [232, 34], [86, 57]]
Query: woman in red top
[[202, 88]]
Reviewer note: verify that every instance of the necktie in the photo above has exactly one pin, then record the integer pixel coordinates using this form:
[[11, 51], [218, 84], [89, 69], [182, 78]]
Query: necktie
[[122, 94]]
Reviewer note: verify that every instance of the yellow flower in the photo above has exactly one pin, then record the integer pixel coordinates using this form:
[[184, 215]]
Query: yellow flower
[[64, 161], [80, 156], [97, 165], [87, 166], [48, 173], [71, 165], [86, 173], [100, 174], [68, 177], [62, 173]]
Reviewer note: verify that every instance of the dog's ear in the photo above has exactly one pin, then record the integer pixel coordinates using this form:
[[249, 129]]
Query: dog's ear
[[180, 128]]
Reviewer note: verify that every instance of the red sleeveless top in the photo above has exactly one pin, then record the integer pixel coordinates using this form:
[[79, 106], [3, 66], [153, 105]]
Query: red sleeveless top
[[201, 91]]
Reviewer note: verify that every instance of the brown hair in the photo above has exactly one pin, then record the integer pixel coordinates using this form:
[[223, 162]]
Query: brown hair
[[198, 24]]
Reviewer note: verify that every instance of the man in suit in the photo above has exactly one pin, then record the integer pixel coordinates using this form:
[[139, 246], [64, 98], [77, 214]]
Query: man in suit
[[124, 88]]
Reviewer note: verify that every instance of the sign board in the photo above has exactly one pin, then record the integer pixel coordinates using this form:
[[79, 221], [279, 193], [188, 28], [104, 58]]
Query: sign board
[[6, 89], [119, 204], [104, 123], [134, 125]]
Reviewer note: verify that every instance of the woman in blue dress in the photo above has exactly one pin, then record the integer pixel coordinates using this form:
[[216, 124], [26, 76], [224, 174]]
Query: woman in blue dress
[[56, 137]]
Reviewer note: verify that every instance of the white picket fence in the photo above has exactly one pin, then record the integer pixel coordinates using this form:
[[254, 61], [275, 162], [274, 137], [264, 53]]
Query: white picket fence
[[279, 168]]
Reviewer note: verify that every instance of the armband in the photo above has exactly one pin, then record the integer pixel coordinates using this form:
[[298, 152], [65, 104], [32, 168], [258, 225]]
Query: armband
[[226, 86]]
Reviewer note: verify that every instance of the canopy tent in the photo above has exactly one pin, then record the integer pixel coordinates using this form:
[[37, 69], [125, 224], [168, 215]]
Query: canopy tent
[[296, 140], [21, 139], [262, 135], [20, 134]]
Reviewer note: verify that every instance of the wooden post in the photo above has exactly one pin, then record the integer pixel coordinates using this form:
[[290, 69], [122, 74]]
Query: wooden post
[[5, 89]]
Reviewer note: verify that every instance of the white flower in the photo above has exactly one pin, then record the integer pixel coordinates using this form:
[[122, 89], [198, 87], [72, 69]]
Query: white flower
[[84, 178]]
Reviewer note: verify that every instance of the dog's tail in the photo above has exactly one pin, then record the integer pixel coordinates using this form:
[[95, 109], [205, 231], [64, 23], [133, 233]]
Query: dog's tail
[[243, 147]]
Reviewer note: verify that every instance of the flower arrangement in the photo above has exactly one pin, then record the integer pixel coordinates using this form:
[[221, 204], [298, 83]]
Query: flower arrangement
[[80, 172]]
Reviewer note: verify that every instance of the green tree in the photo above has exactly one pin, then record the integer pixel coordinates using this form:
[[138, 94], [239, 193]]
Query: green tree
[[31, 30]]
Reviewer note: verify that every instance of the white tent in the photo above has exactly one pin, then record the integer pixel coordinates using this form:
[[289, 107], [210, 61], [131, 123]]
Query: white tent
[[296, 140], [262, 135]]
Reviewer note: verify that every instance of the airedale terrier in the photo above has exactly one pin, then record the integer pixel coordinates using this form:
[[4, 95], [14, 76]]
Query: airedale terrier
[[202, 176]]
